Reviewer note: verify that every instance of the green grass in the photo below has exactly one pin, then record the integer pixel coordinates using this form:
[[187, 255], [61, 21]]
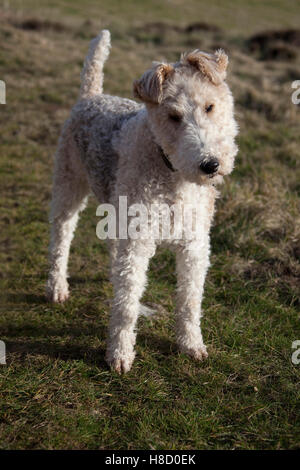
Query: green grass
[[56, 391]]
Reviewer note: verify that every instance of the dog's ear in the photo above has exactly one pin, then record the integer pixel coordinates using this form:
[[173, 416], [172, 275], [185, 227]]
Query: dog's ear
[[149, 88], [212, 66], [222, 62]]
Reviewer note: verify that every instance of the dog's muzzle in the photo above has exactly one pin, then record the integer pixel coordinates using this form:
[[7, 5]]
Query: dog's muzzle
[[209, 166]]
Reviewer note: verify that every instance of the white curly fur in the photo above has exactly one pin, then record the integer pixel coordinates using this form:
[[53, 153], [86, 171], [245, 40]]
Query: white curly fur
[[113, 147]]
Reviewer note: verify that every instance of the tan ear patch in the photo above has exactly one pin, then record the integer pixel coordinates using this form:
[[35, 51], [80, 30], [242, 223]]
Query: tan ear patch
[[211, 66], [149, 88], [222, 60]]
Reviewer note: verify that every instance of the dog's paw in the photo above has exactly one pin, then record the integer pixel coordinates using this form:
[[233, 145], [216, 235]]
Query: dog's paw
[[199, 353], [120, 363], [57, 291]]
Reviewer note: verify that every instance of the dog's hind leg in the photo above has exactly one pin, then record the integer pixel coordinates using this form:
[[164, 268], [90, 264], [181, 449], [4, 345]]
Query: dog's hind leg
[[69, 197]]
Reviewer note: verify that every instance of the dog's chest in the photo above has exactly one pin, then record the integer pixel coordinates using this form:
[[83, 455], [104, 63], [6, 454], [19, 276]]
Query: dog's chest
[[174, 213]]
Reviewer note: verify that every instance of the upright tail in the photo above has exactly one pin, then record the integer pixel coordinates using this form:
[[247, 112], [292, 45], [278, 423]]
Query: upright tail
[[92, 73]]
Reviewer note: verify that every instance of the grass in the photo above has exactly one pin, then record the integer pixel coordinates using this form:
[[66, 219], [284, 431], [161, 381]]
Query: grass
[[56, 391]]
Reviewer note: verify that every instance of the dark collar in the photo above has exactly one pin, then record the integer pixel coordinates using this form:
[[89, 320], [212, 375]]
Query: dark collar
[[166, 160]]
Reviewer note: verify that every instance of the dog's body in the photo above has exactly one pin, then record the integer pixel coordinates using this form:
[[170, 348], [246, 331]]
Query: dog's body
[[170, 151]]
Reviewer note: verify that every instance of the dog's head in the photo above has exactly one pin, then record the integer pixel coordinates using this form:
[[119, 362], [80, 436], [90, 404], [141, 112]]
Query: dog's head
[[191, 114]]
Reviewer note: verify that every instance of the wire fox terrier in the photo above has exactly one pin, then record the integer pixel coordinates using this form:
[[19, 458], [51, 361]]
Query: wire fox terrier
[[171, 149]]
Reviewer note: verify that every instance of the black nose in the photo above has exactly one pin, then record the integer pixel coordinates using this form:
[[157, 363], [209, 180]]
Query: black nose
[[209, 166]]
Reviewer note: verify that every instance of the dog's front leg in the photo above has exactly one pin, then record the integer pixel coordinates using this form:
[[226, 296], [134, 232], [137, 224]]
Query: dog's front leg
[[192, 261], [129, 280]]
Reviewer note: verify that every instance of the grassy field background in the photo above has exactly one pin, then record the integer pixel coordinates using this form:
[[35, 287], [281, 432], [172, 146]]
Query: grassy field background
[[56, 391]]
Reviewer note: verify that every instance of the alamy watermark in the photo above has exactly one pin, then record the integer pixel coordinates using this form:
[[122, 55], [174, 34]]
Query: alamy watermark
[[156, 221], [2, 352], [296, 94], [296, 353], [2, 92]]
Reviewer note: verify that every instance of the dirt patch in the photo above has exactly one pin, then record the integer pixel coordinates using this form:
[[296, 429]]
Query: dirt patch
[[159, 27], [159, 31], [275, 45], [290, 36], [162, 27], [191, 28], [253, 101], [35, 24]]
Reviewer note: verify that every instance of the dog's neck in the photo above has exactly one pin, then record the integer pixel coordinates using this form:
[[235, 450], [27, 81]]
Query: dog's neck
[[163, 155], [166, 159]]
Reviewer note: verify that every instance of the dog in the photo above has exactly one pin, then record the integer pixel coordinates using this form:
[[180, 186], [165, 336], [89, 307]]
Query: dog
[[172, 147]]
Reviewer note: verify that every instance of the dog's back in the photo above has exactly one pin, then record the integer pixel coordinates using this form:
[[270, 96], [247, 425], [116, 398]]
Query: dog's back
[[95, 119], [94, 122]]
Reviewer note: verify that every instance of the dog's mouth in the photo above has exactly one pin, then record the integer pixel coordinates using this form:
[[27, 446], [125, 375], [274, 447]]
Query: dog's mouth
[[209, 167], [215, 174]]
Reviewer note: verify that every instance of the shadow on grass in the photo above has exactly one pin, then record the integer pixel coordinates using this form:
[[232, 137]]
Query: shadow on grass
[[165, 347], [99, 279], [25, 298], [72, 337], [51, 349], [63, 343], [39, 299], [34, 337]]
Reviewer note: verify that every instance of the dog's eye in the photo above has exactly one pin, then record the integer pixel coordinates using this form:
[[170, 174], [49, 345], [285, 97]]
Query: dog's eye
[[209, 108], [175, 117]]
